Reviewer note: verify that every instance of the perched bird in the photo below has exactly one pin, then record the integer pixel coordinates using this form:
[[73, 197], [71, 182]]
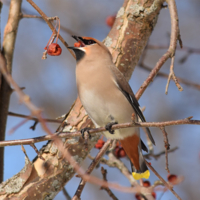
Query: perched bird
[[108, 99]]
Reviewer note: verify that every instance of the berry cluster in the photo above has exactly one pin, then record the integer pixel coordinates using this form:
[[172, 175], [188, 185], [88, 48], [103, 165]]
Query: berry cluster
[[119, 151], [145, 184]]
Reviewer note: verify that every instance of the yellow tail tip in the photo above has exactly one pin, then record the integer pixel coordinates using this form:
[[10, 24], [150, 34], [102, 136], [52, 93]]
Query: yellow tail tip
[[138, 176]]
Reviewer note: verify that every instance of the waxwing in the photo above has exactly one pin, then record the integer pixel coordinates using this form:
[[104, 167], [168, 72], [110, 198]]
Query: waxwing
[[108, 99]]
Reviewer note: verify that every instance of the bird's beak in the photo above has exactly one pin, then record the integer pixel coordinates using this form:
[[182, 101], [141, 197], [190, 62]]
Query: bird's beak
[[76, 37]]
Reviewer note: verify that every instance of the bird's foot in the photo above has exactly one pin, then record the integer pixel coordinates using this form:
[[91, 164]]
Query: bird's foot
[[109, 126], [83, 132]]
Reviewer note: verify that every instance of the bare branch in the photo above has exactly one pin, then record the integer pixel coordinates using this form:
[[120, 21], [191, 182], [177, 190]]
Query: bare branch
[[172, 76], [97, 130], [10, 33], [163, 181], [90, 169], [50, 25], [38, 153], [167, 147], [110, 193], [171, 50], [164, 75]]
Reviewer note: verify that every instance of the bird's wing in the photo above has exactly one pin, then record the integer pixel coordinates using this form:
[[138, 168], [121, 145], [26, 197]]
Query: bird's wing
[[128, 93]]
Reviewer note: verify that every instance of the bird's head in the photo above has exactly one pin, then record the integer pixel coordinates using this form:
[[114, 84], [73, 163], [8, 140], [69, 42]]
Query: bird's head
[[88, 47]]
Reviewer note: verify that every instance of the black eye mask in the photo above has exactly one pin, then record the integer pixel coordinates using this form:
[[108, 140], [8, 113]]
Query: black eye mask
[[83, 41]]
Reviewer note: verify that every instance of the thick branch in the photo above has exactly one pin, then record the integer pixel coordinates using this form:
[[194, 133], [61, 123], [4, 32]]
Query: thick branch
[[10, 33]]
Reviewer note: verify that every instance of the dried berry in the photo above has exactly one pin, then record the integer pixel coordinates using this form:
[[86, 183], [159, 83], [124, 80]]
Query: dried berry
[[119, 152], [77, 44], [99, 144], [110, 20], [122, 153], [138, 196], [172, 178], [153, 194], [54, 49], [146, 184]]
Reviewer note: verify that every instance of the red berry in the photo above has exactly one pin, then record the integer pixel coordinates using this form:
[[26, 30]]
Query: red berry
[[153, 194], [110, 20], [99, 144], [117, 149], [77, 44], [54, 49], [122, 153], [146, 184], [137, 196], [172, 178]]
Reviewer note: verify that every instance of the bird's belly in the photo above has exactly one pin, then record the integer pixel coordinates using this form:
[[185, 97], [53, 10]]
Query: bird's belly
[[103, 111]]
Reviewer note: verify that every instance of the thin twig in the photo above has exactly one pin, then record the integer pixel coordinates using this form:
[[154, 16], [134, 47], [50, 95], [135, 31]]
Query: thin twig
[[33, 118], [50, 25], [110, 193], [38, 153], [29, 16], [90, 169], [97, 130], [156, 156], [170, 52], [114, 162], [172, 76], [167, 147], [164, 75], [188, 49], [164, 182]]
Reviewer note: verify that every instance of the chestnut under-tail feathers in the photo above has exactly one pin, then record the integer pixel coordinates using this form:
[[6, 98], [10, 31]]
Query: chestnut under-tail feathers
[[108, 98]]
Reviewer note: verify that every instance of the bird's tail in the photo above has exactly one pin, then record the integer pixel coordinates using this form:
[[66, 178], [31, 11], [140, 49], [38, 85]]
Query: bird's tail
[[132, 147]]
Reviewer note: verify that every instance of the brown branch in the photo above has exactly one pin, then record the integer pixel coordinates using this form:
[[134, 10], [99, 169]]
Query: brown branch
[[97, 130], [164, 182], [172, 76], [114, 162], [164, 75], [110, 193], [38, 153], [171, 50], [50, 25], [167, 147], [90, 169], [29, 16], [156, 156], [188, 49], [10, 33], [33, 118]]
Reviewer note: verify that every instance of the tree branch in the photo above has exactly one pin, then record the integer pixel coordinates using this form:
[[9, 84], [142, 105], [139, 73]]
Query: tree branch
[[10, 34], [90, 169], [171, 50], [98, 130]]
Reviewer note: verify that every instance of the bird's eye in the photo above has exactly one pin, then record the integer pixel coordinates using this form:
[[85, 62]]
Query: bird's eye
[[89, 42]]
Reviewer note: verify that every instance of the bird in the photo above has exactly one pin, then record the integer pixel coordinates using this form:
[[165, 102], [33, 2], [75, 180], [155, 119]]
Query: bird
[[108, 99]]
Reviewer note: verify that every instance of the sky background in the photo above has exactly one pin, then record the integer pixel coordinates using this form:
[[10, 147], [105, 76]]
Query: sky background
[[51, 86]]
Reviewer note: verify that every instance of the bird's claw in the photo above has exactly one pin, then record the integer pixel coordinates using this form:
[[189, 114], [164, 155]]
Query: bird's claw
[[109, 126], [83, 132]]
